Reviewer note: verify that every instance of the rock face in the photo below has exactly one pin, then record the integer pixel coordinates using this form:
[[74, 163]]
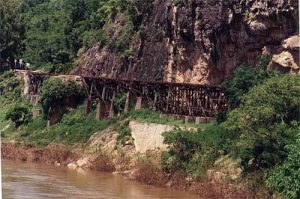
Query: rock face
[[287, 57], [196, 41]]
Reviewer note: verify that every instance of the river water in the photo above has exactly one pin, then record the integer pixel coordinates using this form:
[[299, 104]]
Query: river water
[[36, 181]]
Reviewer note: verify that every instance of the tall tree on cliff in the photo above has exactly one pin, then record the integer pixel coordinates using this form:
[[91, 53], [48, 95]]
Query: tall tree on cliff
[[12, 31]]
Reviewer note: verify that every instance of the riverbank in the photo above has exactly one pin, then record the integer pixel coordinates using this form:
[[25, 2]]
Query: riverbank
[[144, 170]]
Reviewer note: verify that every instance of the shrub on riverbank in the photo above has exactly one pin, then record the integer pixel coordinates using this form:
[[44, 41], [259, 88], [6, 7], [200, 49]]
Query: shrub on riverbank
[[20, 115], [285, 179], [266, 122], [193, 152]]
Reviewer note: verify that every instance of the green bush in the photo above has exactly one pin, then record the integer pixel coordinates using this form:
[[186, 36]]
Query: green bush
[[92, 37], [36, 125], [245, 78], [286, 178], [11, 88], [54, 92], [263, 125], [19, 115], [194, 152]]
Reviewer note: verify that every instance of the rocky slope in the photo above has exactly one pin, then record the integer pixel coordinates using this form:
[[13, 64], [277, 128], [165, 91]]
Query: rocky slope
[[196, 41]]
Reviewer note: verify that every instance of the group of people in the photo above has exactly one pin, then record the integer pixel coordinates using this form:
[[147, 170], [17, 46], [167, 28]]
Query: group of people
[[19, 64]]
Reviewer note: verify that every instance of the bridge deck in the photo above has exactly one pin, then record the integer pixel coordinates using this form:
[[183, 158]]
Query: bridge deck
[[165, 97]]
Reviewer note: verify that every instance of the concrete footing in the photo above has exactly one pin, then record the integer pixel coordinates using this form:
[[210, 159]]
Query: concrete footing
[[110, 109], [87, 107], [138, 105], [127, 102]]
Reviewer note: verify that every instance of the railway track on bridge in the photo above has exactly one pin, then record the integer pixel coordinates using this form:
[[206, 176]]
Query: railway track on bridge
[[165, 97]]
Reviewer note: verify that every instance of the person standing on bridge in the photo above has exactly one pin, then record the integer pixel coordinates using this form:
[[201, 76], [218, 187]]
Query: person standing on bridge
[[21, 64]]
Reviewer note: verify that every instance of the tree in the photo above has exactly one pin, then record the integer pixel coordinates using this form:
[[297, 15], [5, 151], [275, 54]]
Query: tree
[[55, 92], [12, 30], [245, 78], [265, 122], [45, 35], [193, 152], [286, 178], [19, 115]]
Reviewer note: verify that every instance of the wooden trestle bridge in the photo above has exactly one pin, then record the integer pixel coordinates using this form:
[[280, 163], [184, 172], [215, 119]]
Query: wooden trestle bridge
[[180, 99]]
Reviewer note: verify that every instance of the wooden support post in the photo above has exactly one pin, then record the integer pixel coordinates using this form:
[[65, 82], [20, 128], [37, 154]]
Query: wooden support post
[[103, 92], [101, 109], [111, 105], [206, 103], [138, 105], [167, 103], [88, 106], [110, 109], [127, 102], [154, 101]]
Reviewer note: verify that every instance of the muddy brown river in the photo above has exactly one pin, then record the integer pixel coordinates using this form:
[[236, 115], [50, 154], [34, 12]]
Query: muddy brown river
[[37, 181]]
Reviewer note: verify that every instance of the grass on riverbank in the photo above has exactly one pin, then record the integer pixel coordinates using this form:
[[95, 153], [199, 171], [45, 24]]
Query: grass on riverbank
[[74, 128]]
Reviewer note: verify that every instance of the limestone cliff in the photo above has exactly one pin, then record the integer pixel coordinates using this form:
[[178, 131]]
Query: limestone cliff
[[196, 41]]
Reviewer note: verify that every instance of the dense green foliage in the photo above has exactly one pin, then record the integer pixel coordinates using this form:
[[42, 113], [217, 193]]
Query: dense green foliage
[[12, 31], [194, 152], [19, 115], [266, 121], [11, 88], [54, 92], [286, 178], [245, 78], [9, 99], [45, 35]]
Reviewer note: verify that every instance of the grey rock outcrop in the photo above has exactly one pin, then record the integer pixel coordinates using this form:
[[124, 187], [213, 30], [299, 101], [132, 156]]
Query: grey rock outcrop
[[196, 41]]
